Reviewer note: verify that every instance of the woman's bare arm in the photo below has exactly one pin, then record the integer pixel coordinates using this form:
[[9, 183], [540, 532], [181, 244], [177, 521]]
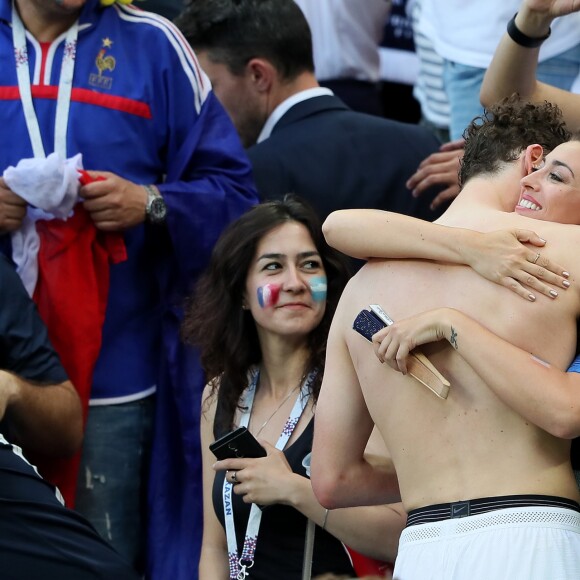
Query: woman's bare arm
[[555, 409], [213, 562], [513, 68], [498, 256]]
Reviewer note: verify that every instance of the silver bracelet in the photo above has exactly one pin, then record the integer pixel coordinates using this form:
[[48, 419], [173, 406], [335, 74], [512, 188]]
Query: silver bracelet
[[325, 518]]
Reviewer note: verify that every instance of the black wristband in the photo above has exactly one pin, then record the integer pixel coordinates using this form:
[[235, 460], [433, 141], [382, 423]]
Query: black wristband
[[523, 39]]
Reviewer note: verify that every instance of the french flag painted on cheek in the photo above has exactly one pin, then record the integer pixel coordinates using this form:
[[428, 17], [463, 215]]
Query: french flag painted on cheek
[[268, 295]]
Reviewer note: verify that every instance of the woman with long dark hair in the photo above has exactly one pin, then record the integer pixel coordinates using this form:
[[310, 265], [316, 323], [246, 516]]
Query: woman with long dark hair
[[260, 316]]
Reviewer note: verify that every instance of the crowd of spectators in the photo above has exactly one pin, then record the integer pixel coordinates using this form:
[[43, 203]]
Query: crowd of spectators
[[167, 166]]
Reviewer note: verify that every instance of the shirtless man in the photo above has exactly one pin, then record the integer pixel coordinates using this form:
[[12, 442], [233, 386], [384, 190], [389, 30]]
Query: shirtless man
[[492, 437]]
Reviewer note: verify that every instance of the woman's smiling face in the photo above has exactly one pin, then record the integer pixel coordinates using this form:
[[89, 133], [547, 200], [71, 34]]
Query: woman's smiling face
[[283, 284], [552, 193]]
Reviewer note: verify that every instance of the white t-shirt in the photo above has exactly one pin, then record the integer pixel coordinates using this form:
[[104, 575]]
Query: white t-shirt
[[468, 31], [429, 89], [346, 36]]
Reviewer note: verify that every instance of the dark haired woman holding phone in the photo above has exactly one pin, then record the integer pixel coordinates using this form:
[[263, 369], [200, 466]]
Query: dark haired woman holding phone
[[261, 315]]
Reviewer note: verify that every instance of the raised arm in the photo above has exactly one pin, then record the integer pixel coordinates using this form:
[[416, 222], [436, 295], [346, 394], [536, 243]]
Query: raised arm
[[555, 409], [513, 68], [498, 256]]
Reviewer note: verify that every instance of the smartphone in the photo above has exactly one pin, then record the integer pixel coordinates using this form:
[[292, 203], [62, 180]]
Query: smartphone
[[369, 322], [237, 443]]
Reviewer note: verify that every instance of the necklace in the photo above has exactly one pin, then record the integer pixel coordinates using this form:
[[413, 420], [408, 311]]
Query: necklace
[[240, 564], [278, 408]]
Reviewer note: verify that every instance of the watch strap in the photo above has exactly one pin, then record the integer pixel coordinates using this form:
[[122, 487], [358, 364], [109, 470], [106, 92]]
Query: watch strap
[[155, 209], [523, 39]]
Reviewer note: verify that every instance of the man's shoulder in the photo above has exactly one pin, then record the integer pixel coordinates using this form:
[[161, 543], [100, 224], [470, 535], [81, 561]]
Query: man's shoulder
[[340, 127], [559, 234], [156, 33], [328, 109], [349, 321], [563, 241], [358, 286]]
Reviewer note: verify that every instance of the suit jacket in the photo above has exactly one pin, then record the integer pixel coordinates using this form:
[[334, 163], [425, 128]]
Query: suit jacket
[[337, 158]]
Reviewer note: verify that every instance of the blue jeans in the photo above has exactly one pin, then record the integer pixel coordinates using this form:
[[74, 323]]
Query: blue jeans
[[462, 84], [111, 490]]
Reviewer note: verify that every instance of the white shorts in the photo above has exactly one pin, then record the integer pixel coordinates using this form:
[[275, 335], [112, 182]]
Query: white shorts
[[530, 543]]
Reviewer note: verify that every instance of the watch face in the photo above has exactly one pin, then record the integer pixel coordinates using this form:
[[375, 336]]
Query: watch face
[[157, 210]]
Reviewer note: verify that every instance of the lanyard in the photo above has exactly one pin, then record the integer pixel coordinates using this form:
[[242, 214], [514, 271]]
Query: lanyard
[[64, 87], [239, 566]]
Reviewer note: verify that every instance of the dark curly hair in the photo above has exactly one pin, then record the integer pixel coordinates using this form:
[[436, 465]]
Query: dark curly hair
[[505, 130], [225, 333]]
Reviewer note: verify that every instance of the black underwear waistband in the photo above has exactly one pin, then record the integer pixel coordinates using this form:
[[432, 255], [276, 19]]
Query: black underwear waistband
[[472, 507]]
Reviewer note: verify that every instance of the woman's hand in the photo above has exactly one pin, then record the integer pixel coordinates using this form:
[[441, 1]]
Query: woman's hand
[[393, 343], [265, 481], [503, 258], [535, 16], [554, 8]]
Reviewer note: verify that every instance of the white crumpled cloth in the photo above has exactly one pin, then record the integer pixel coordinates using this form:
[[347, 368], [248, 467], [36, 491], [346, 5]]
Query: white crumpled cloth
[[51, 187]]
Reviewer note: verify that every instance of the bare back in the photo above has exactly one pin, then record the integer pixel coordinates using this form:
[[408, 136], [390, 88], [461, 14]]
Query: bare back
[[470, 445]]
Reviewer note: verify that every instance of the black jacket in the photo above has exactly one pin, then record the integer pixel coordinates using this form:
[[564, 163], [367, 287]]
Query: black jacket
[[337, 158]]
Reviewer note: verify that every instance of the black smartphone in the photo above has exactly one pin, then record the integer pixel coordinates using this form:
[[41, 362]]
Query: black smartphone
[[237, 443]]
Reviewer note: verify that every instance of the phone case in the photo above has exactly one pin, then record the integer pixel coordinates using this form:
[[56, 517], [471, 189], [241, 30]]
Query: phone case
[[237, 443], [367, 323]]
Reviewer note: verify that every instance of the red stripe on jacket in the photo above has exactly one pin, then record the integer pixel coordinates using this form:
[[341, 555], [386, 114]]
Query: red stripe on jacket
[[87, 96]]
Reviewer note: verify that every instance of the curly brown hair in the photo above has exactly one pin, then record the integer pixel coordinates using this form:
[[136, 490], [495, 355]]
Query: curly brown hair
[[505, 130], [226, 333]]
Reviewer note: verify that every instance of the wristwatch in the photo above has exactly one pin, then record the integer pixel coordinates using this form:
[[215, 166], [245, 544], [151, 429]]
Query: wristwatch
[[156, 210]]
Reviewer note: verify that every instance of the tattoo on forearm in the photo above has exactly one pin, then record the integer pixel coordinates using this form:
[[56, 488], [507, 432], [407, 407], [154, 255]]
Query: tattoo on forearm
[[453, 339]]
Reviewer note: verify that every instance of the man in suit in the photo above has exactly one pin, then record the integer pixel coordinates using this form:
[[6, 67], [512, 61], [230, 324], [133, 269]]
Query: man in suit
[[300, 137]]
